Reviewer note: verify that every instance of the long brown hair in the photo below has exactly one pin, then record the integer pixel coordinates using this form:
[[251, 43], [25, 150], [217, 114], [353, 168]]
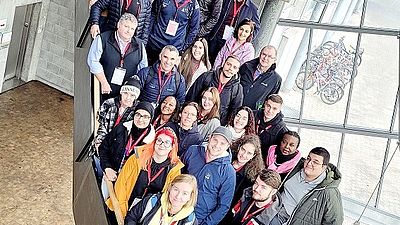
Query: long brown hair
[[253, 167], [214, 113], [186, 65]]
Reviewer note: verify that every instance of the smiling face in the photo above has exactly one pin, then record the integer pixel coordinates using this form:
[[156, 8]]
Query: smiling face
[[207, 101], [288, 144], [168, 59], [180, 194], [246, 153], [188, 117], [271, 109], [163, 145], [313, 166], [267, 57], [126, 29], [230, 67], [217, 145], [198, 50], [244, 32], [241, 120], [141, 118], [127, 99], [168, 106]]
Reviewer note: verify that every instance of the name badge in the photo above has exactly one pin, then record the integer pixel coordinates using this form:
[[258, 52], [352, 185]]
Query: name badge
[[172, 28], [118, 76], [228, 32]]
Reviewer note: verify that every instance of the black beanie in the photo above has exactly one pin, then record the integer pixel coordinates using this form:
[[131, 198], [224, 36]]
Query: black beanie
[[147, 107]]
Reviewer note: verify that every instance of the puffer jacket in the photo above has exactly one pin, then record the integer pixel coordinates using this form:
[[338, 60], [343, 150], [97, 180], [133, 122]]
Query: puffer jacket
[[186, 138], [323, 204], [114, 13], [216, 184], [231, 96], [249, 10], [255, 91], [188, 18], [151, 87], [210, 11]]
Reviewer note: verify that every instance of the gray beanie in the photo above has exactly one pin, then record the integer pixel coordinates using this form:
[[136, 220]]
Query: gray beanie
[[225, 132]]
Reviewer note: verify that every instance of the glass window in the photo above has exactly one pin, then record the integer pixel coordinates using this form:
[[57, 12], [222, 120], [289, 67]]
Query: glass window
[[382, 13]]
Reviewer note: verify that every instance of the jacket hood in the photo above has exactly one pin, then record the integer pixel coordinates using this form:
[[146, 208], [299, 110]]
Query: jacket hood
[[151, 135], [333, 177]]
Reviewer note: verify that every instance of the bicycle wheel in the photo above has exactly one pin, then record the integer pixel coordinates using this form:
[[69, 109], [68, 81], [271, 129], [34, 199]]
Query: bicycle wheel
[[300, 80], [331, 93]]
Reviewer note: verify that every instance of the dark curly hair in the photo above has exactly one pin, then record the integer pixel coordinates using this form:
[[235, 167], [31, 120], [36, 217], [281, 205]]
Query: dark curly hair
[[250, 127], [256, 164]]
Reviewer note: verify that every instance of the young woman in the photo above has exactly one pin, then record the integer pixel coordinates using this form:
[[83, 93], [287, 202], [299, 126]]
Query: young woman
[[121, 142], [247, 161], [195, 61], [149, 171], [165, 112], [239, 44], [186, 128], [175, 206], [208, 119], [284, 157], [242, 122]]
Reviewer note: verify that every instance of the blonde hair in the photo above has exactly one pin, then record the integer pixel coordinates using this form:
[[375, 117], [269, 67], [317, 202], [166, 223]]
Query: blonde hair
[[188, 179]]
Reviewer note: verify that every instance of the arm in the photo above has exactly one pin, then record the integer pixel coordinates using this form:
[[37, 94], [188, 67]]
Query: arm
[[256, 20], [277, 86], [135, 214], [181, 90], [147, 23], [224, 200], [143, 62], [105, 150], [102, 131], [248, 54], [93, 61], [212, 19], [221, 55], [196, 88], [95, 12], [193, 27], [333, 214], [154, 14]]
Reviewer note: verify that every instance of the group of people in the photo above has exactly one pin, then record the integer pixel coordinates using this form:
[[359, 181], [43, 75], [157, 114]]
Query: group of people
[[190, 123]]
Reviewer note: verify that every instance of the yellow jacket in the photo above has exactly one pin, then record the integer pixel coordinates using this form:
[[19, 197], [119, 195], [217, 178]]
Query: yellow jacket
[[127, 179]]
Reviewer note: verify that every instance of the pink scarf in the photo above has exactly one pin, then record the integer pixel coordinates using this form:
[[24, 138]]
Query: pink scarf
[[284, 167]]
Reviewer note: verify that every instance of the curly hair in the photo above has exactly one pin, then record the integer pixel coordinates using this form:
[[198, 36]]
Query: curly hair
[[256, 164], [250, 127]]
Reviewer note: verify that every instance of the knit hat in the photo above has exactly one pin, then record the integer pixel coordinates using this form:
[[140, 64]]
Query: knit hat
[[225, 132], [271, 178], [131, 85], [146, 106]]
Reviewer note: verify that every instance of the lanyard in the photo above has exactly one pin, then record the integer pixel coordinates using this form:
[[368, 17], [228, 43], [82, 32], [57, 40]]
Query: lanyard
[[239, 168], [129, 147], [118, 120], [235, 50], [246, 216], [258, 125], [195, 66], [178, 7], [121, 62], [162, 84], [160, 125], [150, 178], [235, 10], [220, 87]]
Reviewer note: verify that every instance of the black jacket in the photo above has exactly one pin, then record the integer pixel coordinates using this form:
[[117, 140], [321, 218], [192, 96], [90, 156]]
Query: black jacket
[[255, 91], [209, 14], [269, 132], [115, 12], [186, 138], [231, 97]]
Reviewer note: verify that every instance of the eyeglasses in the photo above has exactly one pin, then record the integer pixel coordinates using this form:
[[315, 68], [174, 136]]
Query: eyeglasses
[[313, 162], [138, 116], [189, 114], [268, 56], [166, 143]]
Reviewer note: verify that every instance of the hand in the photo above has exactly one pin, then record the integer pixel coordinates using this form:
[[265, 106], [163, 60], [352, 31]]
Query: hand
[[91, 2], [110, 174], [105, 88], [94, 30]]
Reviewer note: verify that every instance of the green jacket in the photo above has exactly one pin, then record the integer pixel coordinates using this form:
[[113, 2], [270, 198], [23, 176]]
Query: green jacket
[[323, 204]]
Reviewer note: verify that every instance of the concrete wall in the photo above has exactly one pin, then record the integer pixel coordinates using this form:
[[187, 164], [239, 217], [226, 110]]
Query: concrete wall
[[50, 52]]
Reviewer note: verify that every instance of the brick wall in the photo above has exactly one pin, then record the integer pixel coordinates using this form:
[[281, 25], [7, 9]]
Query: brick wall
[[56, 59]]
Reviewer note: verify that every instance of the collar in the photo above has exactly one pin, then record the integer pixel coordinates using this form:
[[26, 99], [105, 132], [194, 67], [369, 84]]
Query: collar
[[316, 181]]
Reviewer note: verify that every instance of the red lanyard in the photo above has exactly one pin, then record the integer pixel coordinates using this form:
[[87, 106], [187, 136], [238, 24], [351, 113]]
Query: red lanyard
[[220, 87], [235, 50], [121, 62], [118, 120], [178, 7], [247, 215], [150, 178], [161, 124], [239, 168], [236, 10], [162, 84], [128, 4], [129, 146], [258, 125]]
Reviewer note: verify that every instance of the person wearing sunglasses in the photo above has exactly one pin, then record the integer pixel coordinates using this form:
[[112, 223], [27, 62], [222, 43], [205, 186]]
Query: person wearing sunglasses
[[149, 171]]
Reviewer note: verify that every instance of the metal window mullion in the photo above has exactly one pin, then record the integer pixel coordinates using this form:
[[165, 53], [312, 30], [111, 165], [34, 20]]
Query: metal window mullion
[[303, 92]]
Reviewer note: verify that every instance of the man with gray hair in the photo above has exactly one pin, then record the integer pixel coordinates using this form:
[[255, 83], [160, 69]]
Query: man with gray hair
[[259, 78], [115, 56], [162, 79]]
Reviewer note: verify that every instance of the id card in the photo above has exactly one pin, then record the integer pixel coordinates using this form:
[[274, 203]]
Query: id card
[[118, 76], [172, 28], [228, 32]]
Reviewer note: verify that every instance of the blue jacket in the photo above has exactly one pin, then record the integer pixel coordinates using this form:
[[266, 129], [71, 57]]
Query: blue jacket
[[150, 87], [249, 10], [186, 138], [216, 183], [188, 18]]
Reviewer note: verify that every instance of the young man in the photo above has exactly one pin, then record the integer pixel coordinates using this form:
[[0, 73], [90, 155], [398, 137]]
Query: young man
[[259, 78], [269, 123], [162, 78], [228, 83], [115, 56], [211, 165], [259, 203], [310, 192]]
